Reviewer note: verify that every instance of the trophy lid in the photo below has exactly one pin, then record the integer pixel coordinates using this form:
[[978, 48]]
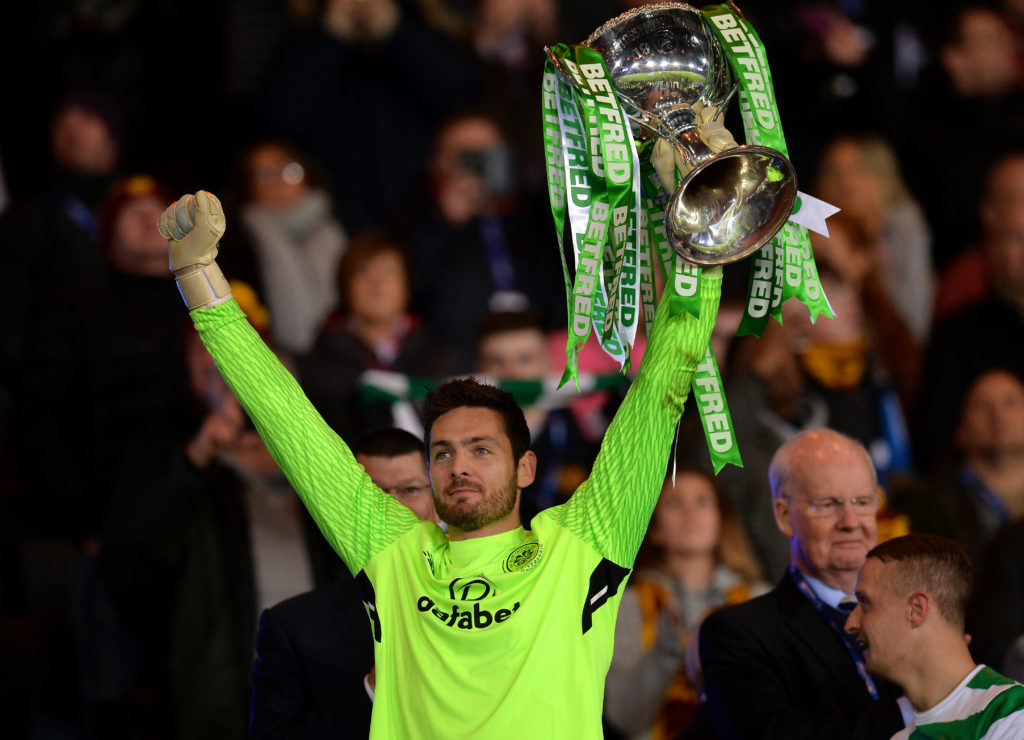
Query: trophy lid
[[663, 59]]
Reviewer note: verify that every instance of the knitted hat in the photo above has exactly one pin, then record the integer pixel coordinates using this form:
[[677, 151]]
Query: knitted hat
[[120, 195]]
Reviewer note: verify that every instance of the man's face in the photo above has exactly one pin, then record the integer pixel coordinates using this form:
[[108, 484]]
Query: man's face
[[518, 355], [82, 142], [405, 478], [879, 621], [829, 546], [992, 422], [378, 291], [137, 245], [981, 60], [475, 479]]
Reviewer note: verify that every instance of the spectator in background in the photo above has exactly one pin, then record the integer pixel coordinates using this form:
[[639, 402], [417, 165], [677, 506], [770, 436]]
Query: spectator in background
[[780, 665], [512, 346], [995, 615], [973, 493], [695, 558], [314, 652], [289, 243], [215, 537], [965, 279], [362, 95], [107, 360], [55, 233], [865, 363], [860, 174], [472, 231], [980, 105], [506, 36], [911, 599], [979, 337], [373, 329]]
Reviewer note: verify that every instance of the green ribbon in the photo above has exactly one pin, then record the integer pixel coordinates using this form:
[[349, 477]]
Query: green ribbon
[[389, 387], [709, 393], [682, 278], [793, 269], [599, 165]]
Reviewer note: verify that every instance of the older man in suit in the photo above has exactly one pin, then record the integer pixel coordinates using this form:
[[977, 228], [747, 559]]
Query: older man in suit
[[780, 665]]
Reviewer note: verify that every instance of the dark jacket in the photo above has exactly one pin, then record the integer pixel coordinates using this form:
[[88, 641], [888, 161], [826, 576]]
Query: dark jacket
[[312, 652], [775, 668], [995, 616], [179, 567]]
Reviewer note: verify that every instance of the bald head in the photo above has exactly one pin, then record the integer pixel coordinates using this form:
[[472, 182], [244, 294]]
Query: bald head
[[825, 501], [813, 448]]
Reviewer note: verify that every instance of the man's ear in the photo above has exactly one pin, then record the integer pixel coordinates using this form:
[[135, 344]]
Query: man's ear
[[526, 469], [780, 507], [918, 608]]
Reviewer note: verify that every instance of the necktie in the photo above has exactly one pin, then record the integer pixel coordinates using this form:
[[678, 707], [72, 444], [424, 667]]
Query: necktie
[[847, 604]]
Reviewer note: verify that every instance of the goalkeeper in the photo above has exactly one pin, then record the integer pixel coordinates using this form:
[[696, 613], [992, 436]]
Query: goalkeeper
[[493, 630]]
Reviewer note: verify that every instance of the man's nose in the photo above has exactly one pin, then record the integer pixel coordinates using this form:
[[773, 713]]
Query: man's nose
[[852, 625], [848, 517], [458, 467]]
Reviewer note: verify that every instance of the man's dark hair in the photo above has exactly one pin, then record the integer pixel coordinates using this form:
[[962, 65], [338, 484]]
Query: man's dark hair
[[933, 564], [471, 393], [386, 442], [499, 322]]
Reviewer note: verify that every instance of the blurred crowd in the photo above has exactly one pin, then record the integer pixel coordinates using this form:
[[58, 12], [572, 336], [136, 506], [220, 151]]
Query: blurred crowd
[[381, 167]]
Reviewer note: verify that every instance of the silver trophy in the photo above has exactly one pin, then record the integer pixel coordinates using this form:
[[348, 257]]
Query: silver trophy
[[667, 66]]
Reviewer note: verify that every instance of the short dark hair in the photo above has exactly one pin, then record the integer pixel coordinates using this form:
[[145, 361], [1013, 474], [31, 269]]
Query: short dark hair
[[386, 442], [499, 322], [933, 564], [363, 247], [471, 393]]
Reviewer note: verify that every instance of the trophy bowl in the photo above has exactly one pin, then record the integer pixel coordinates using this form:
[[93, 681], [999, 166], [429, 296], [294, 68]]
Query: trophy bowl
[[666, 65]]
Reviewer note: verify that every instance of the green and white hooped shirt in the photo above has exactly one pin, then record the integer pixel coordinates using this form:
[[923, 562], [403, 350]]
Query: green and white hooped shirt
[[985, 706], [496, 637]]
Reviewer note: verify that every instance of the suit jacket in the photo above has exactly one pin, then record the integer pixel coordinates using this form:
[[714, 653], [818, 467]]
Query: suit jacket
[[995, 614], [775, 668], [312, 652]]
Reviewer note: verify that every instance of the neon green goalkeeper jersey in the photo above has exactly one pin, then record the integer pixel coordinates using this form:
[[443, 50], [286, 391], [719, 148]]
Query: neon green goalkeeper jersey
[[503, 636]]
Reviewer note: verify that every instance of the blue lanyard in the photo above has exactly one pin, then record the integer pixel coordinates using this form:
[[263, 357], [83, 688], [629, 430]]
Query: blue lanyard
[[988, 497], [558, 433], [822, 607], [493, 235], [77, 211]]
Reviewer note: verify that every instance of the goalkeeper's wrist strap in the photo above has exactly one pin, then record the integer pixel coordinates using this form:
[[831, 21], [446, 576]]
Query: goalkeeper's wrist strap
[[202, 286]]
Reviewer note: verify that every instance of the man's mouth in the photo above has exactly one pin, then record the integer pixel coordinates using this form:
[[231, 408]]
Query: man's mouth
[[461, 488]]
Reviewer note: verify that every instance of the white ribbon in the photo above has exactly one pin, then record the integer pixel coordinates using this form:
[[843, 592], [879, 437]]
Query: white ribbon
[[811, 213]]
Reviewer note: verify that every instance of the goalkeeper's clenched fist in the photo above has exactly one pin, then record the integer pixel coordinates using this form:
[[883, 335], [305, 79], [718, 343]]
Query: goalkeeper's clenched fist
[[192, 226]]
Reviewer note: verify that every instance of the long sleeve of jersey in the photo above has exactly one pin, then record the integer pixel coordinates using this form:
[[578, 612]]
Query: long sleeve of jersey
[[612, 508], [356, 517]]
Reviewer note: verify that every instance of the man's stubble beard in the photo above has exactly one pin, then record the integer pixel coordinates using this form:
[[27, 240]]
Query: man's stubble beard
[[471, 517]]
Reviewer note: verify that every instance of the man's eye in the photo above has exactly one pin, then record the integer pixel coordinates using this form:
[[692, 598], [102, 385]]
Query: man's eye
[[441, 455], [482, 451], [412, 489]]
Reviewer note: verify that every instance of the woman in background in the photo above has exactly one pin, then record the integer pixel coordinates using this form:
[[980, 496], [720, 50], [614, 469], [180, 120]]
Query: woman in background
[[694, 559], [860, 174], [372, 329], [289, 243]]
